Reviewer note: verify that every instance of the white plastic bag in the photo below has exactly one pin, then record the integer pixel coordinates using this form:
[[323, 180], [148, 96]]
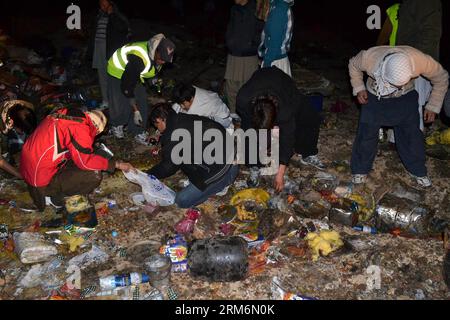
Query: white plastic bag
[[32, 248], [155, 192]]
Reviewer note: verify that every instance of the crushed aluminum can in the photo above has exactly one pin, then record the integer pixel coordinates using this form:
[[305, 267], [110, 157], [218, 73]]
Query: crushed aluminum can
[[345, 214], [393, 213]]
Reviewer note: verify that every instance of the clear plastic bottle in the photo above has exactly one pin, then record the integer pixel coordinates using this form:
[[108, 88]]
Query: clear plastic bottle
[[118, 281]]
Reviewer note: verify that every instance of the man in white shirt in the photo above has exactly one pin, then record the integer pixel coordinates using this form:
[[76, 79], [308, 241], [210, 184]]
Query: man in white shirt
[[196, 101]]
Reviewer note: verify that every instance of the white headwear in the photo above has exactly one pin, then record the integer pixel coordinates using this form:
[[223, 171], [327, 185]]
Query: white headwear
[[394, 71]]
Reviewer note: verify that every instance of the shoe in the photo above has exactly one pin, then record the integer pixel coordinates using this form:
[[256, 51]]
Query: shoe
[[143, 138], [423, 182], [117, 132], [223, 192], [313, 161], [48, 202], [359, 178], [235, 117]]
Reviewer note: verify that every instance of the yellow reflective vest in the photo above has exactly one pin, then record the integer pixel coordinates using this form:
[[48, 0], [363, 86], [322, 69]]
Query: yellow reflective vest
[[118, 62]]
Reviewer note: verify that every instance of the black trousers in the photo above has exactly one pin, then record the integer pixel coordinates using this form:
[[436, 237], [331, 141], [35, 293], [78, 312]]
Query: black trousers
[[402, 114], [69, 181]]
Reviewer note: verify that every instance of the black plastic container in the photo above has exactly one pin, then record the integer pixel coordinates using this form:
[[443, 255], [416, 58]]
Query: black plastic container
[[219, 259]]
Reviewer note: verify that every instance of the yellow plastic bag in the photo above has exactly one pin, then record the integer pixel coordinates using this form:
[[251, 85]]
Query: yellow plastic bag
[[258, 195]]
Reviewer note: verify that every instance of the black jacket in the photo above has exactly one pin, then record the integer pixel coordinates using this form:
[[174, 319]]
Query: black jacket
[[420, 26], [132, 75], [202, 174], [244, 30], [294, 108]]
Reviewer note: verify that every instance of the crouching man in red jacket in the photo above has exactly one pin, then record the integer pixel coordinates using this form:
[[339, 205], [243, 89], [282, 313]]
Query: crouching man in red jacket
[[58, 160]]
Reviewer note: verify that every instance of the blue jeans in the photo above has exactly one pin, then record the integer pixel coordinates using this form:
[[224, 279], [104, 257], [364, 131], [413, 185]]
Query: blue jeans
[[191, 196]]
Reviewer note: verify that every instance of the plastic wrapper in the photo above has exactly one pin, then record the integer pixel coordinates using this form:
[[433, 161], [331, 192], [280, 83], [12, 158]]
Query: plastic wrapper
[[85, 260], [155, 192], [47, 276], [323, 181], [32, 248], [396, 213], [186, 226], [279, 293], [177, 250]]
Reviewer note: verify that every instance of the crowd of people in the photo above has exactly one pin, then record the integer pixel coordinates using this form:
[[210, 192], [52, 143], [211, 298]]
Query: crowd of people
[[59, 157]]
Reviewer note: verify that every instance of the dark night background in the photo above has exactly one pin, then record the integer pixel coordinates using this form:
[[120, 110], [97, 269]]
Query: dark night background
[[327, 22]]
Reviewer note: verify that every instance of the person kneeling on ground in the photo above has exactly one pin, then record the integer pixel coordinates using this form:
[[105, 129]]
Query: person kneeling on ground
[[207, 177], [201, 102], [390, 99], [269, 100], [58, 160]]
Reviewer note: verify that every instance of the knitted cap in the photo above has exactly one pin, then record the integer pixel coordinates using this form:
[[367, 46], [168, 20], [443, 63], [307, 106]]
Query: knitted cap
[[99, 120]]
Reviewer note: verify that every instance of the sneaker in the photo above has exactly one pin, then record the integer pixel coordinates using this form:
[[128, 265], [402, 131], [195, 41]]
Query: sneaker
[[223, 192], [359, 178], [143, 138], [235, 117], [117, 132], [313, 161], [48, 202], [423, 182]]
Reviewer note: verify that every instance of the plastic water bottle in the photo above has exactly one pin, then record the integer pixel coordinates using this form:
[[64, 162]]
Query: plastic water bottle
[[118, 281], [365, 229]]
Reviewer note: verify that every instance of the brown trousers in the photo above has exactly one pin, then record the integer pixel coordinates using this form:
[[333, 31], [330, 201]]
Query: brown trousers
[[69, 181]]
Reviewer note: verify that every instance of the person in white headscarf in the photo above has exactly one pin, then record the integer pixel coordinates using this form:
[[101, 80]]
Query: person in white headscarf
[[389, 99]]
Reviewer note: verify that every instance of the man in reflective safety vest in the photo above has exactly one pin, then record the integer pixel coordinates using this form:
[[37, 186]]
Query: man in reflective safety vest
[[129, 65]]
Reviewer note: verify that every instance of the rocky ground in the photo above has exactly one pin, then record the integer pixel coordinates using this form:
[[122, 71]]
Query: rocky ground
[[410, 268]]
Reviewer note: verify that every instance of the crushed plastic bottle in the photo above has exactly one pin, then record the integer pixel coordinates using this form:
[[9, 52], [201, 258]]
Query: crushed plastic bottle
[[118, 281], [365, 229]]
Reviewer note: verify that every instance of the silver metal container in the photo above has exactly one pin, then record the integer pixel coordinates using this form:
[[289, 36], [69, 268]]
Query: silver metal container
[[394, 212]]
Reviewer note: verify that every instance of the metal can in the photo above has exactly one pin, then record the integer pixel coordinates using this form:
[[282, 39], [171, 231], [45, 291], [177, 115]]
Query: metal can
[[394, 212]]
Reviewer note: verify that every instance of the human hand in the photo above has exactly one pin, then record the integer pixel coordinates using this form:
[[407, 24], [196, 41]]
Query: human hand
[[429, 116], [363, 97], [138, 118], [124, 166], [278, 182]]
